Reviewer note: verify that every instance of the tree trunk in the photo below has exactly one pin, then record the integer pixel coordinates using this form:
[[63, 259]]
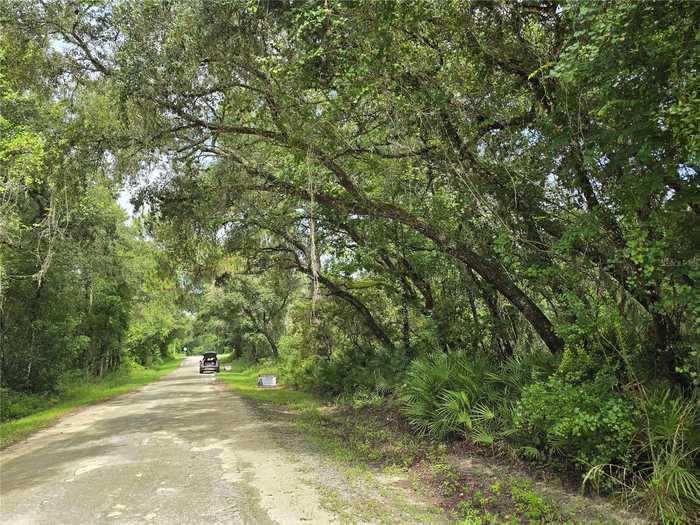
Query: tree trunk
[[346, 296], [271, 342], [488, 270]]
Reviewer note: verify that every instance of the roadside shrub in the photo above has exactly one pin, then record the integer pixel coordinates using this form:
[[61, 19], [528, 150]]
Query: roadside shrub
[[533, 506], [588, 423], [14, 405], [68, 380], [440, 391], [521, 370], [666, 477], [363, 397], [447, 394], [344, 372]]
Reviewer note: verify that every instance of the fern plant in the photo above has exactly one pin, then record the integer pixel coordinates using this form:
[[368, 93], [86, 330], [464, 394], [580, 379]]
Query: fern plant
[[453, 414], [425, 379], [441, 389]]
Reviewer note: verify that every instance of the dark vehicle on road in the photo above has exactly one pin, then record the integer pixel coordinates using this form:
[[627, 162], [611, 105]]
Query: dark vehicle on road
[[208, 363]]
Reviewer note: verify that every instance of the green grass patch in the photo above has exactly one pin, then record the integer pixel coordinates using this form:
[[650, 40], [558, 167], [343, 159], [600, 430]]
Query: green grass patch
[[243, 379], [83, 393]]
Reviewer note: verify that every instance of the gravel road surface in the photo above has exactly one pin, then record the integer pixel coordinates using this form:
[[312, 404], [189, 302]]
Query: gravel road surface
[[181, 450]]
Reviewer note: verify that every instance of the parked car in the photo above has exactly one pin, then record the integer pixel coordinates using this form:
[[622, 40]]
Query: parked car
[[208, 363]]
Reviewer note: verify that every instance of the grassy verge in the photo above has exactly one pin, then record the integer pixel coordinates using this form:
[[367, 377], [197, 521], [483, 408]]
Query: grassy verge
[[242, 379], [83, 393], [374, 435]]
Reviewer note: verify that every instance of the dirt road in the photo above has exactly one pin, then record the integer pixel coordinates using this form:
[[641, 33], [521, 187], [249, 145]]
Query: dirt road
[[180, 451]]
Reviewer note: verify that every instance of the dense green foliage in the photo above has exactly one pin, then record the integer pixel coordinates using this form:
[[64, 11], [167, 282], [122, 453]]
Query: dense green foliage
[[487, 209], [81, 293]]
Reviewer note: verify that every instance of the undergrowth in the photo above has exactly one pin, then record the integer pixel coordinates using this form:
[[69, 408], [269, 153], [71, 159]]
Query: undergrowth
[[641, 444], [363, 431]]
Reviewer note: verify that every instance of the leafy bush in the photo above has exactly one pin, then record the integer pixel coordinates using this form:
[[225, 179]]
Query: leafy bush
[[15, 404], [344, 372], [690, 366], [665, 480], [647, 443], [588, 423], [521, 370], [533, 506], [363, 397], [468, 392]]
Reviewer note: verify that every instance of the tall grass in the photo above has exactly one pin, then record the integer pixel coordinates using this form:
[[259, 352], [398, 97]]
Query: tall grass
[[666, 479]]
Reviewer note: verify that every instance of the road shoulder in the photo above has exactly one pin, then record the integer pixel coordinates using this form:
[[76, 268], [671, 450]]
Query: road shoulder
[[17, 431], [384, 473]]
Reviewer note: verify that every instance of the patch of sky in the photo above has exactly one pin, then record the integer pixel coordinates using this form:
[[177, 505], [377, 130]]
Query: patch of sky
[[532, 136], [131, 188], [124, 201], [686, 172]]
